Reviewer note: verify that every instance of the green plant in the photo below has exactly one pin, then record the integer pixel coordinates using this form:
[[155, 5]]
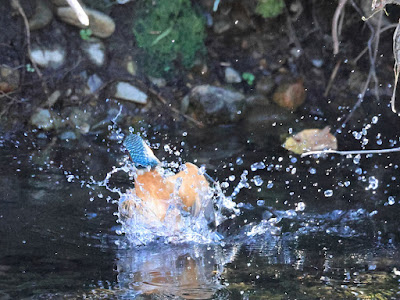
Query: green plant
[[85, 34], [248, 77], [29, 68], [168, 32], [270, 8]]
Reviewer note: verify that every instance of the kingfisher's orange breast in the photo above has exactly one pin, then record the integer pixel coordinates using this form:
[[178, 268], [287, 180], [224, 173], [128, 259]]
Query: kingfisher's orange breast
[[157, 193]]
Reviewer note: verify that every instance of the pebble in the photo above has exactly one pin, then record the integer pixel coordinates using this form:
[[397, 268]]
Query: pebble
[[68, 135], [42, 16], [214, 104], [42, 119], [94, 83], [9, 78], [95, 51], [53, 98], [232, 76], [48, 58], [290, 95], [80, 119], [126, 91], [159, 82], [101, 24]]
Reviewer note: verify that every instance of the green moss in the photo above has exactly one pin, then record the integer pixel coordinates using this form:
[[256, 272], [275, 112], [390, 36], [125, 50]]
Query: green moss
[[169, 32], [270, 8]]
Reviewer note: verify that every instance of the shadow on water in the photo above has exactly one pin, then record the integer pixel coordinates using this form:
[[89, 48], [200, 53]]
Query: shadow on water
[[309, 228]]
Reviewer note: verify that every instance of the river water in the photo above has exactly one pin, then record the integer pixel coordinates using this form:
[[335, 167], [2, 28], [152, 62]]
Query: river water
[[308, 228]]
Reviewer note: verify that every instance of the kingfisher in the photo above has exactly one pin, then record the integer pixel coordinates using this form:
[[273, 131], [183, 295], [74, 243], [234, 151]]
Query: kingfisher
[[158, 192]]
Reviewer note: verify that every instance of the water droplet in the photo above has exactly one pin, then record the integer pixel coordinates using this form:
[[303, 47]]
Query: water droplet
[[328, 193], [372, 183], [391, 200], [184, 133], [231, 177], [270, 185], [300, 206], [257, 166], [257, 180], [239, 161], [374, 119], [260, 202], [224, 185], [312, 171]]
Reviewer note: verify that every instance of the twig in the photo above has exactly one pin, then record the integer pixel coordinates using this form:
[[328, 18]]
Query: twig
[[354, 61], [17, 5], [352, 152], [372, 52], [332, 78], [335, 21]]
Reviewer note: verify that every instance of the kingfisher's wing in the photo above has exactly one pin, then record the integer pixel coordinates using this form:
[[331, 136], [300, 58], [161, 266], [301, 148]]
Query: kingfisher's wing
[[140, 153]]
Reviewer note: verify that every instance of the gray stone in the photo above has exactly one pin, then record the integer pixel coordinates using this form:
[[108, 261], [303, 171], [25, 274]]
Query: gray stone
[[232, 76], [159, 82], [42, 119], [214, 104], [94, 83], [42, 17], [101, 25], [95, 51], [80, 118], [53, 98], [126, 91], [68, 135], [9, 78], [48, 58]]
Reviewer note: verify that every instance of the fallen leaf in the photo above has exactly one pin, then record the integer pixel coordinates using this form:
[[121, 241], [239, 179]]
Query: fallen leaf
[[311, 140]]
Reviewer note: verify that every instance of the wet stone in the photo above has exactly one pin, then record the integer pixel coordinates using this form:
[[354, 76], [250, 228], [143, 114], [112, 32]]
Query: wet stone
[[126, 91], [290, 95], [95, 51], [9, 78], [215, 104], [68, 135], [101, 25], [42, 119], [232, 76], [48, 58], [42, 16]]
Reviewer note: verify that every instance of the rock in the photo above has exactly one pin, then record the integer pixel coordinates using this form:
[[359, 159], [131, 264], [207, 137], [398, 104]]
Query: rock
[[48, 58], [53, 98], [126, 91], [214, 104], [42, 119], [232, 76], [95, 51], [9, 78], [42, 17], [265, 85], [94, 83], [222, 26], [290, 95], [101, 25], [61, 2], [68, 135], [311, 140], [159, 82], [80, 119]]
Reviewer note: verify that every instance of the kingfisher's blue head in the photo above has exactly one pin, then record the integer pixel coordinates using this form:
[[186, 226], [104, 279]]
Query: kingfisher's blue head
[[141, 154]]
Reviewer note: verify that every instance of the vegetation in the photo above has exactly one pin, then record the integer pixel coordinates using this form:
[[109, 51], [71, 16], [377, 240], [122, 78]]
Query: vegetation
[[270, 8], [169, 32]]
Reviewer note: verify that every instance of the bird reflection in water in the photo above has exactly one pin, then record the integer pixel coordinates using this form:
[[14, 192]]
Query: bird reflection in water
[[189, 271]]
